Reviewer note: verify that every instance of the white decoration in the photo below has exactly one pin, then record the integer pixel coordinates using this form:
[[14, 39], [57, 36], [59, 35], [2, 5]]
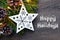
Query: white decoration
[[24, 19]]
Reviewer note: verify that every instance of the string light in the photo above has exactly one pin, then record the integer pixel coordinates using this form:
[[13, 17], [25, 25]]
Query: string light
[[8, 7], [28, 1], [20, 3]]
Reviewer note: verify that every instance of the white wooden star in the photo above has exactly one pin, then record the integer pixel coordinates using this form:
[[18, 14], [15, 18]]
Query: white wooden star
[[24, 19]]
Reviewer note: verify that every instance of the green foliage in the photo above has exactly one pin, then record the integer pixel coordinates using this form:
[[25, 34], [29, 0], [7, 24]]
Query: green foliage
[[3, 3], [31, 7]]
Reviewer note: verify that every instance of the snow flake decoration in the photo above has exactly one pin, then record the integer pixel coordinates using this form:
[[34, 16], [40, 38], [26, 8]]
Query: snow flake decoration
[[24, 19]]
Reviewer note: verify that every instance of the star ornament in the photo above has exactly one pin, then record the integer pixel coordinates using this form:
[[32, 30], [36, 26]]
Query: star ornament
[[24, 19]]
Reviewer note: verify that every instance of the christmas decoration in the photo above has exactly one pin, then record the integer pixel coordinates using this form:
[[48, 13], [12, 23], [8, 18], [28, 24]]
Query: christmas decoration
[[12, 8], [4, 28], [24, 19], [14, 3]]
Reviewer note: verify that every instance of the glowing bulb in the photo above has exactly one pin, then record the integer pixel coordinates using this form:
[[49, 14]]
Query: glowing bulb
[[20, 4], [0, 23], [28, 1], [8, 7]]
